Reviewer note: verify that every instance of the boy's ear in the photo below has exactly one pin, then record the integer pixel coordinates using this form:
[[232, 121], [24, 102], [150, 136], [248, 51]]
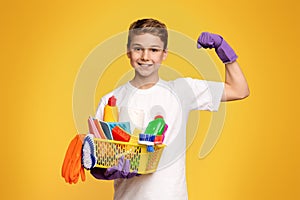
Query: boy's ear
[[128, 53], [165, 54]]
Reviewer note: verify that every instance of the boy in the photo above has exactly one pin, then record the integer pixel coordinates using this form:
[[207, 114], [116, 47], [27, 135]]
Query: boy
[[146, 96]]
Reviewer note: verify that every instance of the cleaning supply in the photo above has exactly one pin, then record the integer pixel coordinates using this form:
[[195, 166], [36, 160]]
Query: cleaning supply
[[99, 128], [124, 125], [147, 139], [154, 133], [156, 127], [111, 113], [120, 134], [106, 130], [92, 127], [159, 139], [72, 168], [89, 158]]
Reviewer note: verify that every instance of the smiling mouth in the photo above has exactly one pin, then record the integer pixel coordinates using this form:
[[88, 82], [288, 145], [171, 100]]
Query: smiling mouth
[[145, 65]]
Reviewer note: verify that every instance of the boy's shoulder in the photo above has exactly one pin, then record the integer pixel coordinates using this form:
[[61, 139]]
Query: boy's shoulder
[[115, 92]]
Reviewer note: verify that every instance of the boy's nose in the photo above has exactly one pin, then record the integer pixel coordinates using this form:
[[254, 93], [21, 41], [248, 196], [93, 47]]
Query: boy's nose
[[145, 54]]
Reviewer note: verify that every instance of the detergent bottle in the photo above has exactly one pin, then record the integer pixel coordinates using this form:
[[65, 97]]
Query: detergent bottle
[[111, 113], [156, 126], [153, 133]]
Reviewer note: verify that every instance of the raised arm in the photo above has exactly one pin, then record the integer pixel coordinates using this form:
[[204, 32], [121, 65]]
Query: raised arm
[[236, 86]]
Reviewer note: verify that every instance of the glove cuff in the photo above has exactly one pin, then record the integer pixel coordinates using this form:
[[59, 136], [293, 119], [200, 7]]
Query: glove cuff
[[99, 173], [226, 53]]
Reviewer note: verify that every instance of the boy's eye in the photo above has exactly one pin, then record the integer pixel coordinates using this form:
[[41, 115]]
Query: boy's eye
[[137, 49], [154, 50]]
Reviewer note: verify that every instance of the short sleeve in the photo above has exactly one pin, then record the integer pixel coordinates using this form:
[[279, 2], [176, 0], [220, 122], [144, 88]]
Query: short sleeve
[[200, 94], [216, 90]]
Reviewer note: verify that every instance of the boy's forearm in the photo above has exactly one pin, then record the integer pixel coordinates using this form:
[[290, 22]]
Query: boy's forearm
[[236, 86]]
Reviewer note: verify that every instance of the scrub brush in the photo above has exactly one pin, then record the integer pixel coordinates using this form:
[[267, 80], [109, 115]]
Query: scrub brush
[[89, 158]]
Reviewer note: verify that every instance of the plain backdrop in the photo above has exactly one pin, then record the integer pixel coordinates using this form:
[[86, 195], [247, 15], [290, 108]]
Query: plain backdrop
[[44, 43]]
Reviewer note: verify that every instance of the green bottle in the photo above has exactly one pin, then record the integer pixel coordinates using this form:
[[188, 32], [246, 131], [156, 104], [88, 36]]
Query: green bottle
[[156, 127]]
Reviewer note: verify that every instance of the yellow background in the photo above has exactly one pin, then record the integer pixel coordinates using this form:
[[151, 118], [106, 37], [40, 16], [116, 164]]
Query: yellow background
[[44, 43]]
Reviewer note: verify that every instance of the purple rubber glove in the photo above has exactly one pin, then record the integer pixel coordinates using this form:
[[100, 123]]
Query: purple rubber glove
[[222, 48], [122, 170]]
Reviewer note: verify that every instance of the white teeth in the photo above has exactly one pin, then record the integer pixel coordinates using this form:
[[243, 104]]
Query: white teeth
[[145, 65]]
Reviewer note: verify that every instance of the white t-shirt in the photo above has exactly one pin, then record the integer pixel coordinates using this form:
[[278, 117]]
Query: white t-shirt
[[173, 100]]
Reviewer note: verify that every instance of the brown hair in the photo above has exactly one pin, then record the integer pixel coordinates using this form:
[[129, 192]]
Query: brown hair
[[151, 26]]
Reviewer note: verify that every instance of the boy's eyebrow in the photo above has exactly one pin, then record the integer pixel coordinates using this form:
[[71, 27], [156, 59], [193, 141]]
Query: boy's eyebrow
[[155, 46], [137, 44]]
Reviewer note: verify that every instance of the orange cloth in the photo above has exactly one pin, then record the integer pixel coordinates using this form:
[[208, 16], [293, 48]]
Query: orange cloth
[[72, 167]]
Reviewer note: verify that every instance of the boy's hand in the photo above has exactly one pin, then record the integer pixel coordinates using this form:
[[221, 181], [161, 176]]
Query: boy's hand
[[122, 170], [222, 48]]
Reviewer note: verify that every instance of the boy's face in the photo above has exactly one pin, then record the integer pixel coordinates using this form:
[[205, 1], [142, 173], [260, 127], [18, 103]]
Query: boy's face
[[146, 54]]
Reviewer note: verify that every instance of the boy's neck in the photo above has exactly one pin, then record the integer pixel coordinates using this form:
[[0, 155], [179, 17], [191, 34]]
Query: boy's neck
[[144, 83]]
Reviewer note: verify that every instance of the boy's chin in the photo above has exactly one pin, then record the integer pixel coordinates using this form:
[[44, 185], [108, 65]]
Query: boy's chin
[[146, 74]]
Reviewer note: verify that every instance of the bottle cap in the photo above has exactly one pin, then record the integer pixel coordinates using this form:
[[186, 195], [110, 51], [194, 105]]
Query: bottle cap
[[158, 116], [112, 101]]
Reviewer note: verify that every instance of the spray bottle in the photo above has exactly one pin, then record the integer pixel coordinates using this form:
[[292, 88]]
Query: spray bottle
[[111, 111]]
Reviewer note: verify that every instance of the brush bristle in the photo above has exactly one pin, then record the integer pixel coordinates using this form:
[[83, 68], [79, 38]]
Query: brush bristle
[[89, 158]]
